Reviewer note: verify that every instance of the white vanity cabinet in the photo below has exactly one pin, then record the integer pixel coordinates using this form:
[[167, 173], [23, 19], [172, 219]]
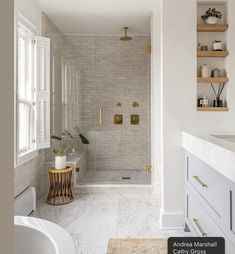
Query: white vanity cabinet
[[209, 202]]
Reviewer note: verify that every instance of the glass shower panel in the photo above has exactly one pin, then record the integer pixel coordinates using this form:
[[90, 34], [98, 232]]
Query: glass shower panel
[[107, 95]]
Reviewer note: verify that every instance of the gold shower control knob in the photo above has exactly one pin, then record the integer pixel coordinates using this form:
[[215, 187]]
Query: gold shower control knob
[[135, 104]]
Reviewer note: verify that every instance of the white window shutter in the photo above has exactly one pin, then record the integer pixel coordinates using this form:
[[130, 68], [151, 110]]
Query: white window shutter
[[43, 92]]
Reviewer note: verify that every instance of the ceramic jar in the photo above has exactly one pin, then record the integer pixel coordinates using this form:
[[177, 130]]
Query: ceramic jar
[[205, 71], [216, 73]]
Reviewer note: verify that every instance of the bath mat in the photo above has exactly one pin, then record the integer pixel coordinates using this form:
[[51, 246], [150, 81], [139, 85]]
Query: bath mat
[[138, 246]]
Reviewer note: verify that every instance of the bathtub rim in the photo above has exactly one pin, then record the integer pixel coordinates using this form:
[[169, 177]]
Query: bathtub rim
[[60, 238]]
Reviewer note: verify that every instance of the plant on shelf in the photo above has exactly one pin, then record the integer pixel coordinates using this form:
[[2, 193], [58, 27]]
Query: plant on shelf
[[65, 146], [211, 16]]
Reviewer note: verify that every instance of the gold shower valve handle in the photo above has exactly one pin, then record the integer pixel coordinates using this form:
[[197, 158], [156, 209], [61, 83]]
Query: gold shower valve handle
[[135, 104]]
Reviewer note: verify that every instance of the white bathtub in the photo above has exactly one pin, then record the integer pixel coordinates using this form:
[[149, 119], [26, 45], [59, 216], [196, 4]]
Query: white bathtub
[[37, 236]]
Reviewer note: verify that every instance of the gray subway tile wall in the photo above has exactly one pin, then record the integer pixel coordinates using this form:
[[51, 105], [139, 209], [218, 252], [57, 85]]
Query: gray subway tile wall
[[110, 71]]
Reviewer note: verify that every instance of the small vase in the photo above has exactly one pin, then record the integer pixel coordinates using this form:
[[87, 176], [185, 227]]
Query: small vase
[[211, 20], [218, 103], [60, 162]]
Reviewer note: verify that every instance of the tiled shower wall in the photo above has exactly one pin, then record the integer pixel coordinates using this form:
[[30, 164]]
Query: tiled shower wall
[[103, 71]]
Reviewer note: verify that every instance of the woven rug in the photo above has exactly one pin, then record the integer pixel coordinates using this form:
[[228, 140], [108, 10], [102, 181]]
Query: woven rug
[[138, 246]]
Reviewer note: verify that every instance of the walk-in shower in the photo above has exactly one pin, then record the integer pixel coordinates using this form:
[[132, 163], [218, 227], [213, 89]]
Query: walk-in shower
[[106, 92]]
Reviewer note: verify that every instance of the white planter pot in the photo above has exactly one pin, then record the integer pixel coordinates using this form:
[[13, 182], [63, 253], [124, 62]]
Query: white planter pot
[[212, 20], [60, 162]]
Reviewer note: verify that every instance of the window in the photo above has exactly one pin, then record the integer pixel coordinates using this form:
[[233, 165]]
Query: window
[[26, 91], [32, 92]]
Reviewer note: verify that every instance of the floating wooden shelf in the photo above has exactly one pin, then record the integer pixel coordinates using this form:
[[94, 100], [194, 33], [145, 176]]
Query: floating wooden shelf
[[213, 80], [213, 109], [211, 28], [212, 53]]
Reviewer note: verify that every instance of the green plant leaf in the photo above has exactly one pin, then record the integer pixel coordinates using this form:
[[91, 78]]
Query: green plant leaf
[[55, 137], [83, 139], [57, 152], [69, 134]]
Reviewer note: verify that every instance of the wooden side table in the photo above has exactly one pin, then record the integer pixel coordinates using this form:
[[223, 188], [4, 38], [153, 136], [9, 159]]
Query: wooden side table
[[60, 191]]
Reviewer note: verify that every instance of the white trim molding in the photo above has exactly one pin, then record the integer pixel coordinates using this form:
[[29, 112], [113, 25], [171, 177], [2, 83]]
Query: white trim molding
[[172, 220]]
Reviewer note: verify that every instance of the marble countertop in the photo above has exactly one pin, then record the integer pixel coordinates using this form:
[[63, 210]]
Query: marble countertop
[[217, 152]]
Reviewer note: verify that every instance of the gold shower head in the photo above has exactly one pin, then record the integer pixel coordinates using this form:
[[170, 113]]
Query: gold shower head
[[125, 37]]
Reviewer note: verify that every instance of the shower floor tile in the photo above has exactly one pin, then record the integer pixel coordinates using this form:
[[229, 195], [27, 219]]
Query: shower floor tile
[[128, 176]]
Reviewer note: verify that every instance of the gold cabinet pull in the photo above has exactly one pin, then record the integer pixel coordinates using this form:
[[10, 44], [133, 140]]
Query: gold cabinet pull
[[200, 227], [101, 116], [200, 181]]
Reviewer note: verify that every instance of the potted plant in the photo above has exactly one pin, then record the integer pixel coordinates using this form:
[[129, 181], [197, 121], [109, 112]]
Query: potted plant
[[211, 16], [65, 147]]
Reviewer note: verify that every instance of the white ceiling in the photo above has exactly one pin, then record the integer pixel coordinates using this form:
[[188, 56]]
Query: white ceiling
[[99, 16]]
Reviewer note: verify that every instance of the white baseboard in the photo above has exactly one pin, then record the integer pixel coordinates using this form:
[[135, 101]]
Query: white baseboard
[[172, 220]]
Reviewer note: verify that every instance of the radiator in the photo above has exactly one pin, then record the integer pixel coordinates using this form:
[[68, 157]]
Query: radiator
[[25, 202]]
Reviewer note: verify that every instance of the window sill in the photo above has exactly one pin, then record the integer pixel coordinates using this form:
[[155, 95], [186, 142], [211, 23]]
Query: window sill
[[26, 157]]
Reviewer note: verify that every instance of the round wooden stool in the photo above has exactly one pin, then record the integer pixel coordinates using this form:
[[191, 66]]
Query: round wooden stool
[[60, 191]]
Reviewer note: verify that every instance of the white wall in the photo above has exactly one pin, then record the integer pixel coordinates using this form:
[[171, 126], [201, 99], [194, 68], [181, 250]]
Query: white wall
[[6, 125], [31, 11], [178, 63]]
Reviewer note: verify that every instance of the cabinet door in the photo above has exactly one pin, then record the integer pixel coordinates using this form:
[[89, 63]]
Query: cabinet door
[[212, 186], [201, 223], [200, 220]]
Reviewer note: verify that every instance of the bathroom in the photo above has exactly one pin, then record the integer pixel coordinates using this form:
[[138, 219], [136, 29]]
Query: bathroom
[[120, 80], [100, 86]]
